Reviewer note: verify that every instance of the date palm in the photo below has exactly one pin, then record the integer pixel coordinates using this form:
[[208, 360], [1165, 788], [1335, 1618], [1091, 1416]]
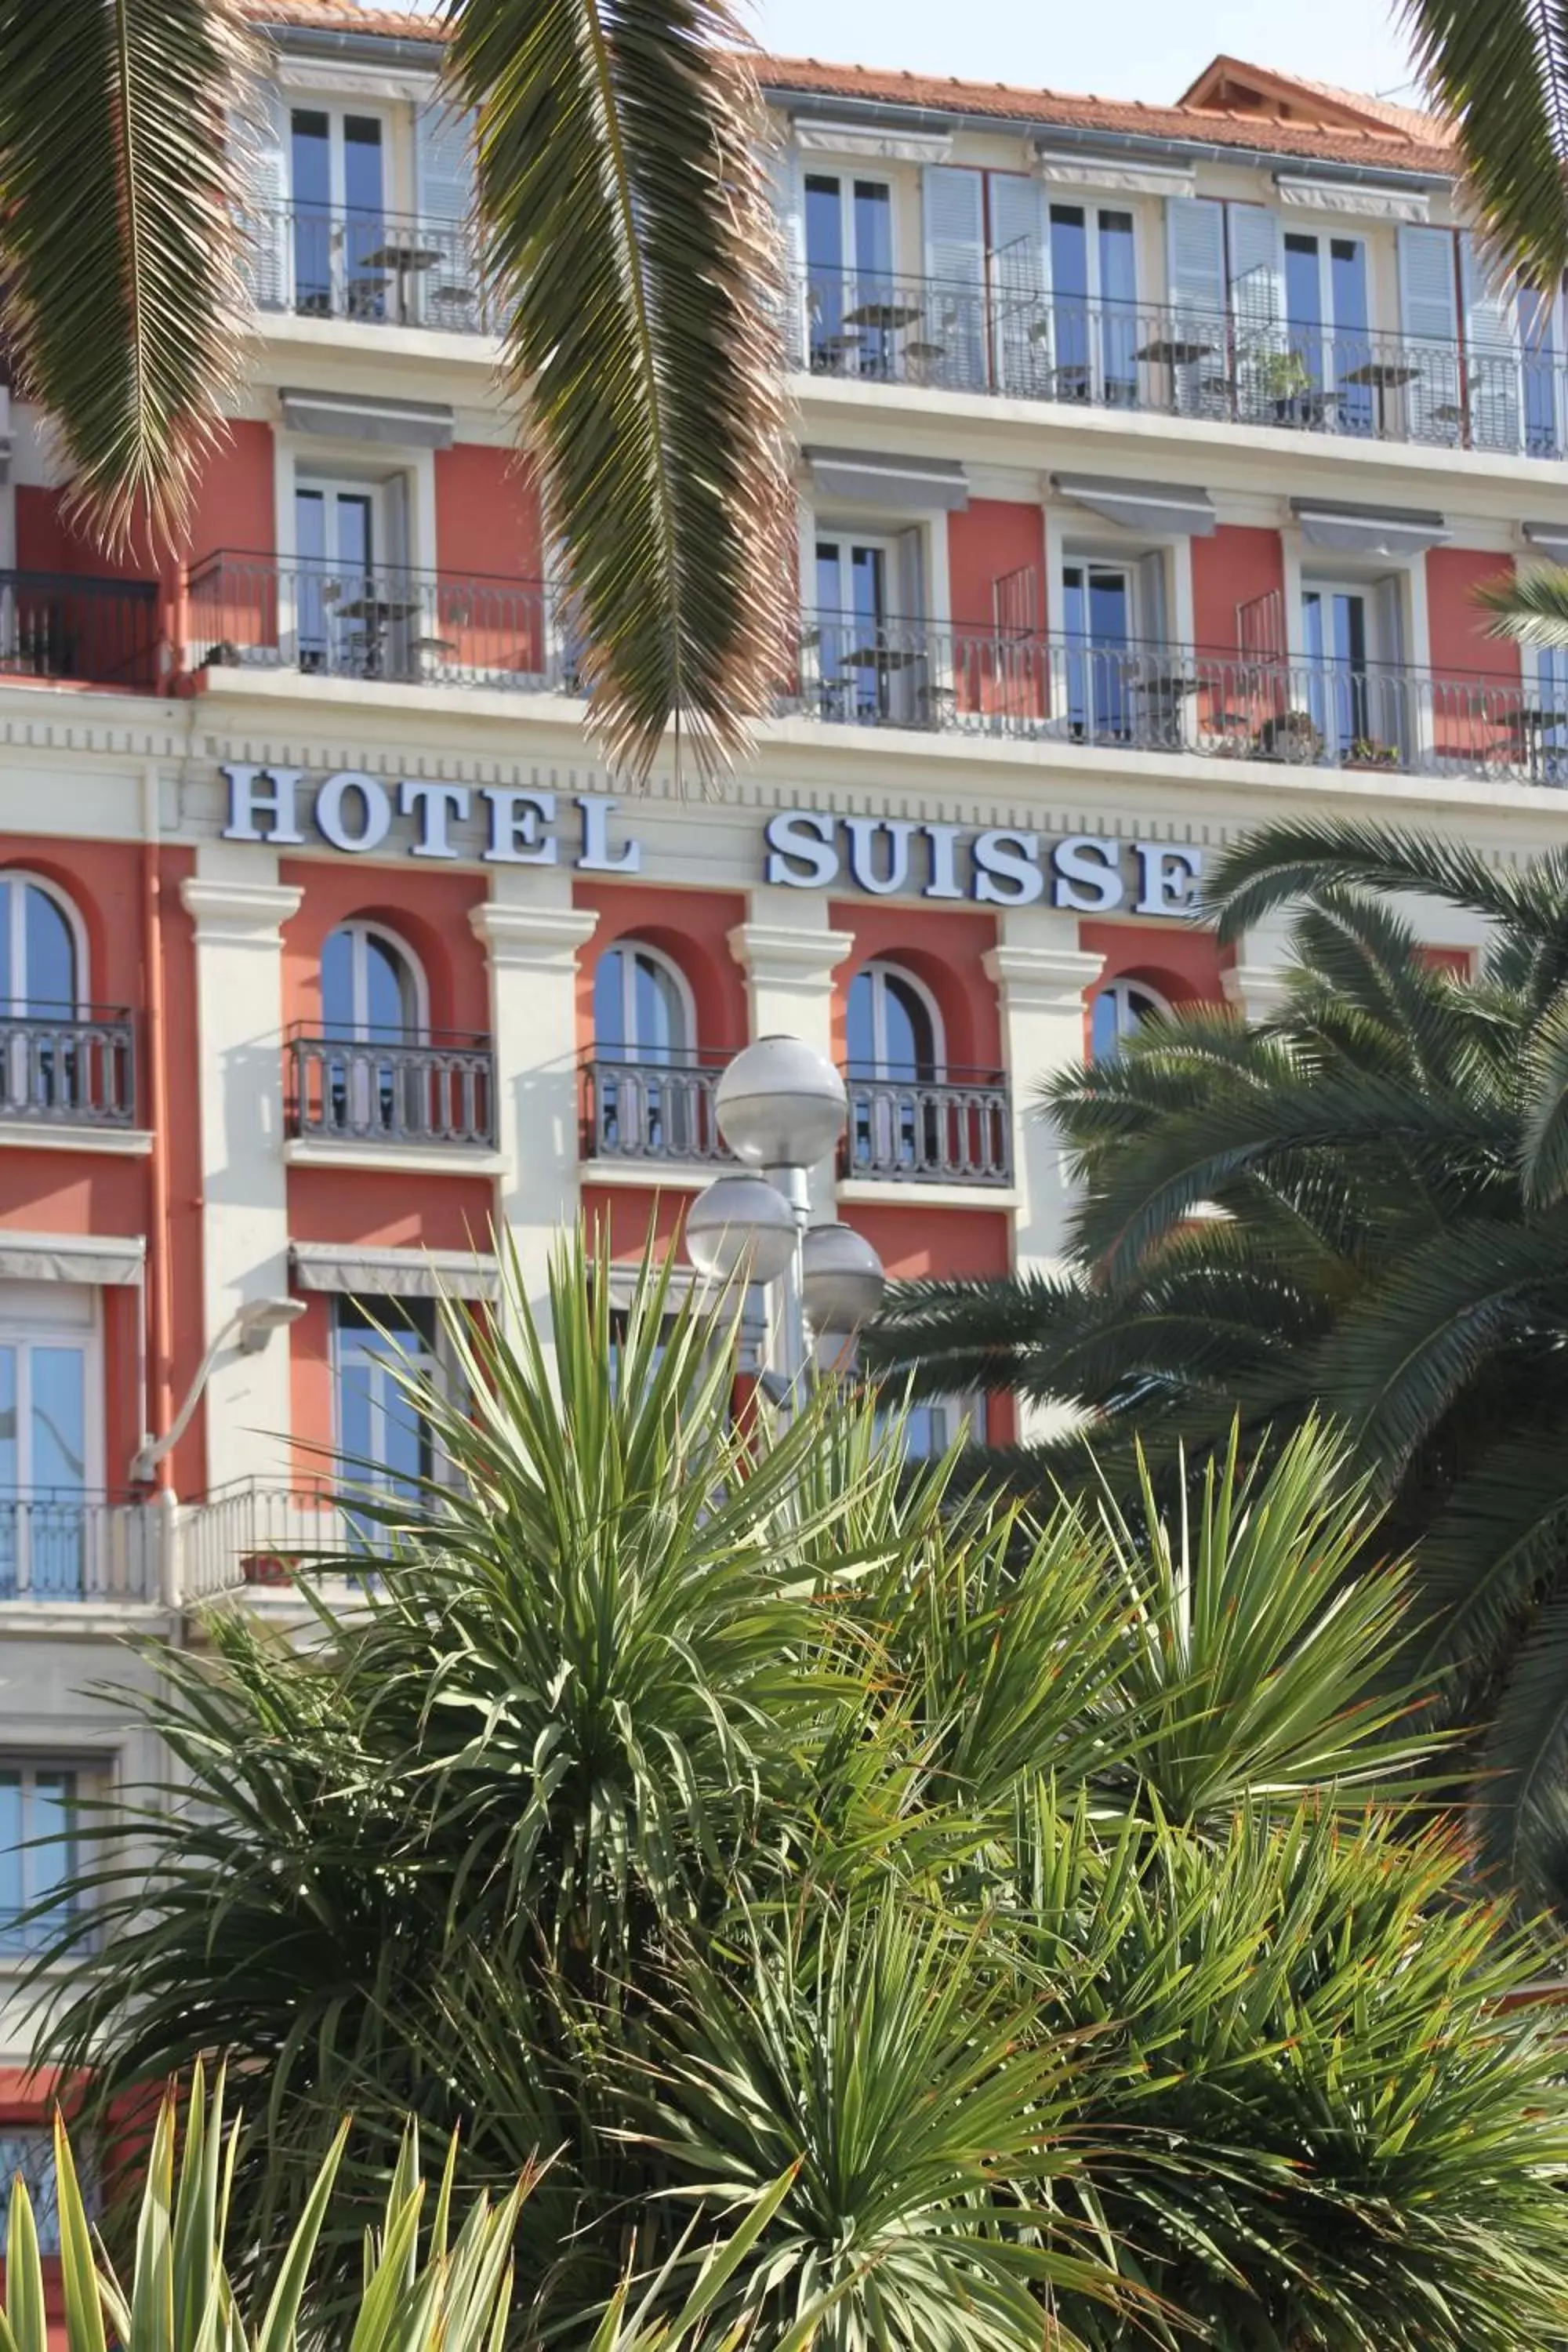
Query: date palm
[[900, 1921], [619, 189], [1358, 1205]]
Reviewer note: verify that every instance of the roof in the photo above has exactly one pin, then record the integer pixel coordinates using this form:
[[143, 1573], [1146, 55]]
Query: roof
[[1321, 125]]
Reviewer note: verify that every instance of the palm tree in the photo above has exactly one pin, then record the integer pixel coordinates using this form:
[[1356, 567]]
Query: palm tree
[[620, 185], [1361, 1200], [910, 1922]]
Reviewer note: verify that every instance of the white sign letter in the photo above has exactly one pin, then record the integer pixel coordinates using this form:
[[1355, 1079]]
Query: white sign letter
[[943, 883], [434, 806], [375, 811], [1012, 858], [515, 819], [1093, 863], [1166, 878], [595, 855], [246, 804], [801, 836], [863, 832]]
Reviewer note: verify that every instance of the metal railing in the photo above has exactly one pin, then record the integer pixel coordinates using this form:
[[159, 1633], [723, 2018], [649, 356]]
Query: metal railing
[[956, 1130], [1013, 338], [396, 625], [1178, 698], [393, 1090], [59, 1544], [78, 1069], [374, 267], [88, 632], [646, 1109], [257, 1534]]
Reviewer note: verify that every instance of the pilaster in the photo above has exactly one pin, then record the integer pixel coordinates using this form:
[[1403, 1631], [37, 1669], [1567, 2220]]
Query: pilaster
[[789, 955]]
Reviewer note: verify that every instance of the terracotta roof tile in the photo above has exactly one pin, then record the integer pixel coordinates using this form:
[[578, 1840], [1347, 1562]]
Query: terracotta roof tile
[[1403, 140]]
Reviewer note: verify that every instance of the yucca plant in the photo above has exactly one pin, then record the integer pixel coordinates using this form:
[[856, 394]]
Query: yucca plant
[[904, 1920], [620, 191]]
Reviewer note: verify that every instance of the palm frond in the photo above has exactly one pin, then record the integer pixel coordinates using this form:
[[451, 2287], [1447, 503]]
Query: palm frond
[[621, 181], [1267, 869], [118, 241], [1500, 72], [1530, 608]]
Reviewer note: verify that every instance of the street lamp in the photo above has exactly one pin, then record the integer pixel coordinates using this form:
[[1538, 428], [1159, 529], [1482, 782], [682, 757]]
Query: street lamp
[[249, 1328], [781, 1107]]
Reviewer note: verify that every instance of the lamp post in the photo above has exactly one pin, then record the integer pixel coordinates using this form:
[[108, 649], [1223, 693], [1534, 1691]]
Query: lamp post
[[781, 1108], [250, 1328]]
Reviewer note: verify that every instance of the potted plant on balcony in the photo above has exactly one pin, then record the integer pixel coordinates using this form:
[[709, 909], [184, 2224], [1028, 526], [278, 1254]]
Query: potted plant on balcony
[[1288, 387], [1289, 735], [1366, 752]]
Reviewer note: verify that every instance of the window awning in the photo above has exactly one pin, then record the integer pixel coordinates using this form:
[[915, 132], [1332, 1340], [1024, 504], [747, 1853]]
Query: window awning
[[858, 139], [917, 485], [1142, 506], [355, 416], [1551, 538], [370, 1273], [1369, 530], [71, 1257]]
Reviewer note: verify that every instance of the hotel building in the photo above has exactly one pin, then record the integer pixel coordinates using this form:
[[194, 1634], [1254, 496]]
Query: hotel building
[[1148, 457]]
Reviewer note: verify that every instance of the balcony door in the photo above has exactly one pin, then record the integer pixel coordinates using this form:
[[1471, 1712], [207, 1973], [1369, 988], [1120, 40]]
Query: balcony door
[[863, 651], [345, 621], [1354, 686], [897, 1055], [1099, 601], [337, 175], [1327, 374], [850, 301], [42, 1066], [386, 1445], [51, 1444], [373, 1005], [1094, 298], [648, 1099]]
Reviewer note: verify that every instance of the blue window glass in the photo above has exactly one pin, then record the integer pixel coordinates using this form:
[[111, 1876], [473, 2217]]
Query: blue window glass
[[1098, 615], [1118, 335], [1069, 300], [364, 226], [1538, 342], [1352, 348], [312, 165], [385, 1440], [35, 1804]]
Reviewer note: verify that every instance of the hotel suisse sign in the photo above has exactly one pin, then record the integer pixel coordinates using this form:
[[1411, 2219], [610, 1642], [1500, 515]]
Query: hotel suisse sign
[[803, 849]]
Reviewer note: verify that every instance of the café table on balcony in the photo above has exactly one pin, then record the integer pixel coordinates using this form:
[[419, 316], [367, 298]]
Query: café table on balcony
[[403, 257], [377, 614], [1383, 376], [1526, 730]]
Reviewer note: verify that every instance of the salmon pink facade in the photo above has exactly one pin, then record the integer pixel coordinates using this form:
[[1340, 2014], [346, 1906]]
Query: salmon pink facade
[[1148, 461]]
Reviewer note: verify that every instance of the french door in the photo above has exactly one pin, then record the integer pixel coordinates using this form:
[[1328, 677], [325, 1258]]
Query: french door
[[849, 271], [1094, 298], [337, 175], [860, 653], [1098, 600], [1328, 372], [50, 1441], [341, 619]]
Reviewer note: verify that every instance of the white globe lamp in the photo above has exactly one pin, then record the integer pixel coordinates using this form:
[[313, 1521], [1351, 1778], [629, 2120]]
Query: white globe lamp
[[740, 1228], [842, 1280], [781, 1104]]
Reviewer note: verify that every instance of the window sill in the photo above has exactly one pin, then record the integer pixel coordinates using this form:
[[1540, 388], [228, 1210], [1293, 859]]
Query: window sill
[[884, 1193], [62, 1135], [406, 1159], [657, 1175]]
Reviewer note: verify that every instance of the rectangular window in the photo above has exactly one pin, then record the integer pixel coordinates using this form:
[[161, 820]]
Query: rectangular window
[[860, 647], [1094, 294], [50, 1440], [850, 264], [1098, 625], [387, 1445], [38, 1850], [1328, 372], [342, 264], [29, 2149]]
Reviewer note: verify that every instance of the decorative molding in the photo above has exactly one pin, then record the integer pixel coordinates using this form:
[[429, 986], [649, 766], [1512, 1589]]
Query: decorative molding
[[1042, 979], [245, 914], [1352, 200], [775, 956], [855, 139], [653, 1175], [1255, 990], [49, 1135], [531, 935]]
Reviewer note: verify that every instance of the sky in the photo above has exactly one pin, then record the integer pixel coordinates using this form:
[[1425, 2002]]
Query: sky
[[1116, 49]]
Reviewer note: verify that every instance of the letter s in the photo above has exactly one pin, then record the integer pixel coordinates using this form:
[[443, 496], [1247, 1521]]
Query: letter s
[[800, 835]]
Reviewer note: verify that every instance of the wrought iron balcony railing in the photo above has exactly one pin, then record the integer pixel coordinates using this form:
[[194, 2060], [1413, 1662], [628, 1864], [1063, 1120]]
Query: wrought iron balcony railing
[[956, 1130], [646, 1109], [1015, 340], [61, 1544], [393, 1090], [374, 267], [77, 1069], [394, 625], [1178, 700], [87, 632]]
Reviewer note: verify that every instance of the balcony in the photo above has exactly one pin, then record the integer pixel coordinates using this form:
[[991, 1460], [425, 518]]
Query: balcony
[[1176, 699], [396, 1093], [88, 632], [258, 1534], [372, 269], [645, 1111], [1017, 342], [70, 1070], [61, 1545], [954, 1130], [392, 626]]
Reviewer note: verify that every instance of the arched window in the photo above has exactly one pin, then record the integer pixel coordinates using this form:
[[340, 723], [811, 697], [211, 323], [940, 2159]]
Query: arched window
[[645, 1021], [641, 1007], [372, 989], [373, 1007], [895, 1029], [41, 950], [1120, 1009]]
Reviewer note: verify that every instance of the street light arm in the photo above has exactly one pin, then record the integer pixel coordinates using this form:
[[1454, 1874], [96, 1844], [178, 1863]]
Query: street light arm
[[251, 1325]]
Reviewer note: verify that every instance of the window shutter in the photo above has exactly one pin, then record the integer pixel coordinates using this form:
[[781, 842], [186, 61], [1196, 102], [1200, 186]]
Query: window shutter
[[783, 164], [1428, 311], [1388, 714], [444, 194], [1151, 622], [260, 140], [1020, 284], [1257, 308], [955, 264], [1195, 227], [1494, 360]]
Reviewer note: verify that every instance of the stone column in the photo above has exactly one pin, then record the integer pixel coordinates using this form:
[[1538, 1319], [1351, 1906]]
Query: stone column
[[789, 956], [239, 907], [1255, 984], [1043, 977], [532, 933]]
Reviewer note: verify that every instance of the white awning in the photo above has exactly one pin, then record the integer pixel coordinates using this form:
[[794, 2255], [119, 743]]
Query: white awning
[[1116, 174], [356, 417], [863, 139], [1141, 505], [917, 485], [1353, 200], [1551, 538], [71, 1257], [1369, 530], [366, 1272]]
